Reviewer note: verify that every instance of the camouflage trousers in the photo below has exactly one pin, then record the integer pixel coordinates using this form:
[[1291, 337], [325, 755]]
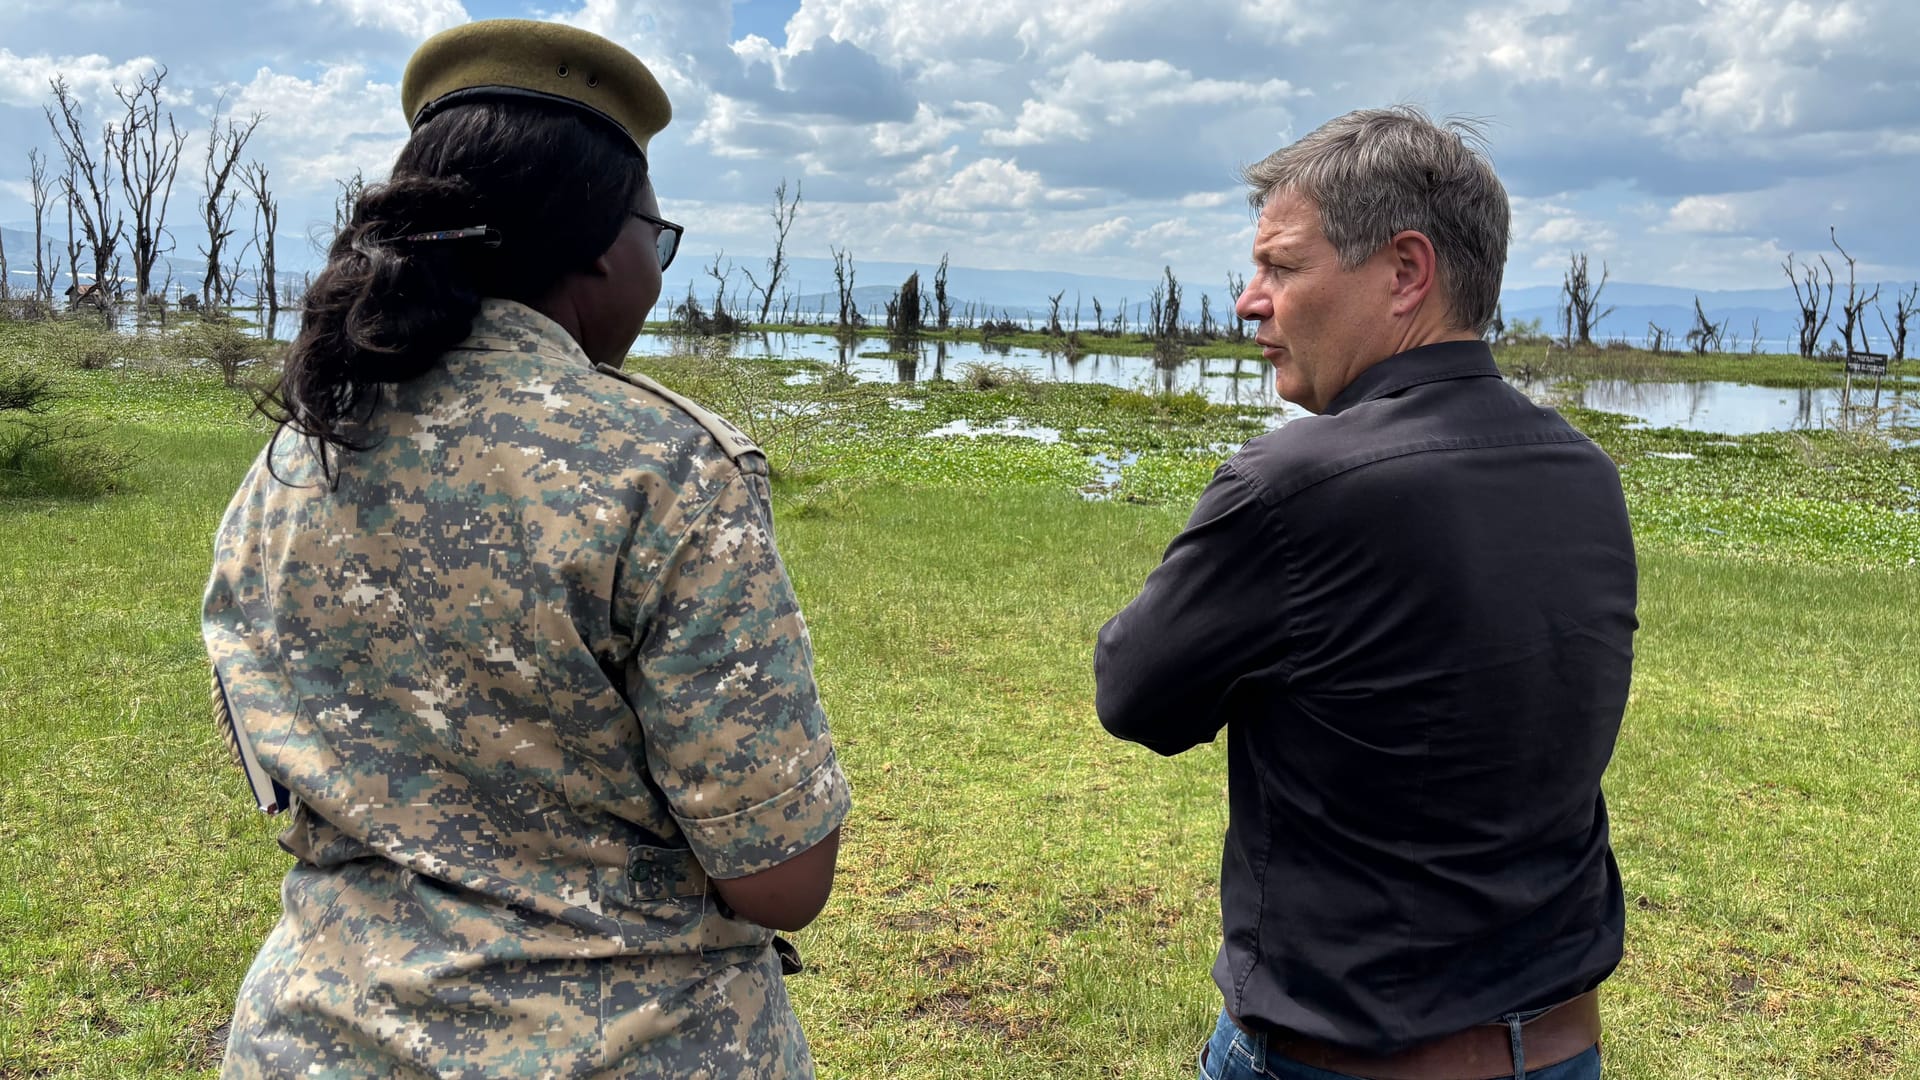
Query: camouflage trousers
[[357, 981]]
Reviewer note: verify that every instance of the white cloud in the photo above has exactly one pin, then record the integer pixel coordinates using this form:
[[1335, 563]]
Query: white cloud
[[926, 131], [1041, 122], [1164, 237], [1703, 214], [415, 20], [1661, 135], [324, 128], [24, 79], [1087, 240], [991, 183]]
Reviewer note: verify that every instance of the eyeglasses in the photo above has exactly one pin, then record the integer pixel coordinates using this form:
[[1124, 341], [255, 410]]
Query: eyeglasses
[[666, 239]]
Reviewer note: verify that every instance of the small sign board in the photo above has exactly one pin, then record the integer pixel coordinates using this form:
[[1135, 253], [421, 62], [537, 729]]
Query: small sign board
[[1866, 363]]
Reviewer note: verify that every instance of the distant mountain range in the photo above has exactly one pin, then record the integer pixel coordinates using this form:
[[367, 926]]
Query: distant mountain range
[[1023, 295]]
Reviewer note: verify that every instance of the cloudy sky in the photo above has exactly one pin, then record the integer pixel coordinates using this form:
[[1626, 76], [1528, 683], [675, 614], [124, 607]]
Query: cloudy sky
[[1683, 142]]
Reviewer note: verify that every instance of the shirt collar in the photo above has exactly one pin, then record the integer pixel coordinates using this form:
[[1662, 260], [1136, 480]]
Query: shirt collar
[[1428, 363], [510, 326]]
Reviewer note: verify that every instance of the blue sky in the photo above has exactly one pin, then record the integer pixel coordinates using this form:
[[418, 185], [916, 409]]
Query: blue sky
[[1681, 142]]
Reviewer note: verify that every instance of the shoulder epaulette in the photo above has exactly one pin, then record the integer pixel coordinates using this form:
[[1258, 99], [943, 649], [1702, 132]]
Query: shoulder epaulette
[[733, 442]]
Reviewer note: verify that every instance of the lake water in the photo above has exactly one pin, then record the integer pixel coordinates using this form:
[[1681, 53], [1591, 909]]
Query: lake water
[[1720, 407], [1727, 408], [947, 360]]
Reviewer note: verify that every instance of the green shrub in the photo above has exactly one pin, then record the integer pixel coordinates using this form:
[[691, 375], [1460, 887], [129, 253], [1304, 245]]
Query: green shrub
[[79, 341], [224, 343]]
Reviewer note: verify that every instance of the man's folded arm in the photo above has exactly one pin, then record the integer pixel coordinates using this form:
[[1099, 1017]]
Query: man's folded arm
[[1165, 664]]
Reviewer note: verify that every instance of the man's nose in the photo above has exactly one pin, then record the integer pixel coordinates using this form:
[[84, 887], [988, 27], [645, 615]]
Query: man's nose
[[1252, 304]]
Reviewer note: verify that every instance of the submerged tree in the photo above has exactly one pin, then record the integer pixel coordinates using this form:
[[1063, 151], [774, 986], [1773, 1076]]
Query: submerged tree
[[266, 222], [942, 303], [1902, 312], [149, 158], [38, 189], [1815, 306], [1857, 300], [226, 140], [783, 215], [89, 184], [1582, 300], [1706, 335], [843, 284], [903, 311]]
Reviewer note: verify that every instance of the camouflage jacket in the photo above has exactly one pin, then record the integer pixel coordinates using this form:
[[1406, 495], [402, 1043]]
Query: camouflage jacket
[[532, 671]]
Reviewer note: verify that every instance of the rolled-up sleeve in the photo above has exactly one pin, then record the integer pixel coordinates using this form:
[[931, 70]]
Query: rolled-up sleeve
[[723, 683], [1213, 609]]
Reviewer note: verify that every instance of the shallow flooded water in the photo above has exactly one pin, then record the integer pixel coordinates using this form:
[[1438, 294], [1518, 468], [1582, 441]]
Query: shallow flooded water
[[1726, 408]]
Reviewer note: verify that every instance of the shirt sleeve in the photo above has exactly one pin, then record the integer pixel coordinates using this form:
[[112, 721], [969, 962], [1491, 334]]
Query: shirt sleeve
[[723, 683], [1210, 613]]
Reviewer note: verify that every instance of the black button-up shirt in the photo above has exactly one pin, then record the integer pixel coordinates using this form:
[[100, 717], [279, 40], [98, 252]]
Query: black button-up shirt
[[1414, 617]]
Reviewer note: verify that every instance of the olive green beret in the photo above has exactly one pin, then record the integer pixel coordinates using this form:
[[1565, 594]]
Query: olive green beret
[[508, 58]]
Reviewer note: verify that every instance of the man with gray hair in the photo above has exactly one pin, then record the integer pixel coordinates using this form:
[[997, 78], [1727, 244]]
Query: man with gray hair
[[1413, 615]]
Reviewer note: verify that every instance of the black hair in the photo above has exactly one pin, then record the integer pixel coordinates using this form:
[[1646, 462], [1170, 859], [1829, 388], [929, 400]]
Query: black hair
[[558, 185]]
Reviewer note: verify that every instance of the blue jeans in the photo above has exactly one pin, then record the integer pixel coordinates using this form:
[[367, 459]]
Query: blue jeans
[[1233, 1054]]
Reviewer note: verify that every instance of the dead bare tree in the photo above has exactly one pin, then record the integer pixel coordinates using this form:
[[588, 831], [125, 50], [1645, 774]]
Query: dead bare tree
[[1903, 304], [1814, 308], [1657, 337], [231, 274], [266, 221], [843, 284], [37, 192], [1169, 327], [53, 268], [1053, 313], [226, 140], [1852, 311], [148, 159], [348, 198], [1236, 284], [1706, 335], [73, 234], [99, 217], [783, 214], [903, 311], [1582, 293], [943, 305], [1099, 318], [6, 289], [720, 278]]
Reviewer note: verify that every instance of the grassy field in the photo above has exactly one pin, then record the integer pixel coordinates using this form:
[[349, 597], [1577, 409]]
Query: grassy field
[[1021, 896]]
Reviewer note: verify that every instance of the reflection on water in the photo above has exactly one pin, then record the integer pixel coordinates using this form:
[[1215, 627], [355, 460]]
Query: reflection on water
[[1738, 409], [1722, 407], [1233, 382]]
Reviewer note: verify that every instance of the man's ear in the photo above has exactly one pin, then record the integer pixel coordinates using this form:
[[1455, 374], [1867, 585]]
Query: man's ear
[[601, 266], [1416, 270]]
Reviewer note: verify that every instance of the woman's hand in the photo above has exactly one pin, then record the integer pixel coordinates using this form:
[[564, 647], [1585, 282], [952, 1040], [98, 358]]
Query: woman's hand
[[787, 896]]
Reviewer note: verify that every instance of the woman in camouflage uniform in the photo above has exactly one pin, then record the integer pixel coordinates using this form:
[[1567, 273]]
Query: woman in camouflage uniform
[[509, 627]]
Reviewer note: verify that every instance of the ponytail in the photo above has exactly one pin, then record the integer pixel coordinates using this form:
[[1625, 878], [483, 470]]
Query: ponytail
[[552, 188]]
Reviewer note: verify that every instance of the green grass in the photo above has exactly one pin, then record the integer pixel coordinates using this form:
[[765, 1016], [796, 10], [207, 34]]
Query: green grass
[[1763, 369], [1021, 896]]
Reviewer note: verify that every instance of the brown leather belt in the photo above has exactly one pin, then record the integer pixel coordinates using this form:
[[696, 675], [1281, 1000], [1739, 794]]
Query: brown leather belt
[[1484, 1052]]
